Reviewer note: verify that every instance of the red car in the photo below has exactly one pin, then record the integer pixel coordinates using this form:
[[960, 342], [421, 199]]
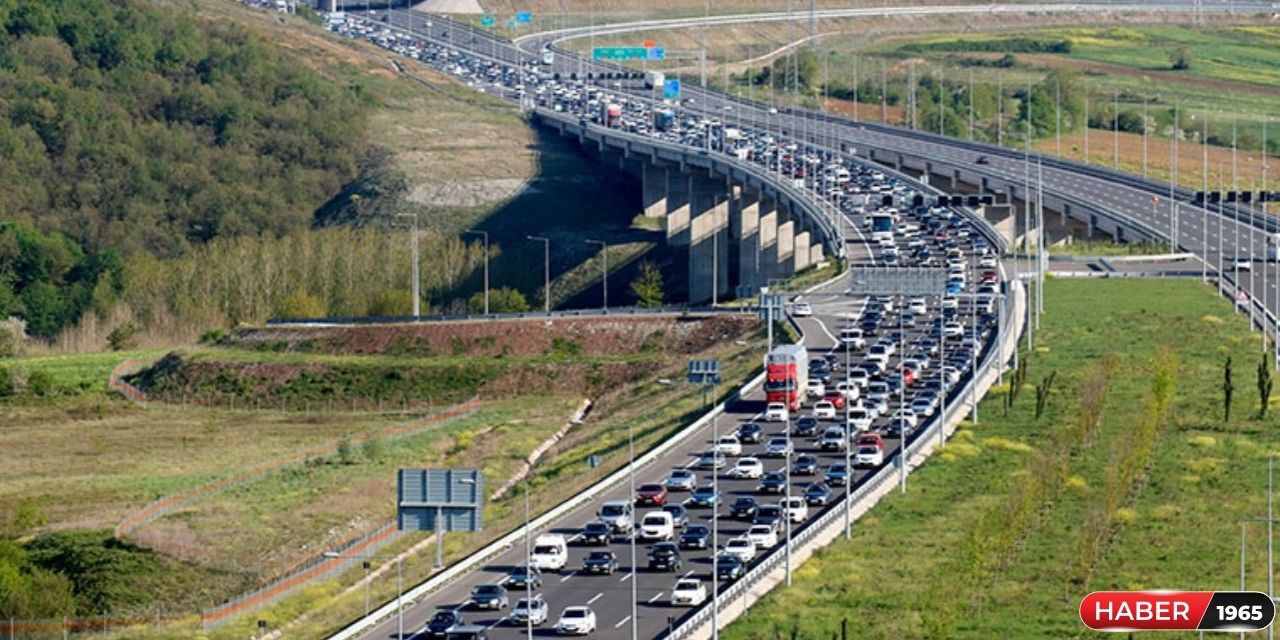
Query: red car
[[989, 276], [871, 440], [654, 494], [835, 398]]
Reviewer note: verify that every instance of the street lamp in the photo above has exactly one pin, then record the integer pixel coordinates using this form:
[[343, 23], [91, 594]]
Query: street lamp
[[485, 235], [399, 585], [604, 272], [546, 271]]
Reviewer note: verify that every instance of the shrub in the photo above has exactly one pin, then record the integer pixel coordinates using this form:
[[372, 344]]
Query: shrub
[[123, 337], [13, 337], [40, 383]]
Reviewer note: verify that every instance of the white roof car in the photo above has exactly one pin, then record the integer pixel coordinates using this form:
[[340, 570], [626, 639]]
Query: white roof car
[[906, 415], [742, 547], [776, 412], [796, 508], [824, 410], [688, 592], [729, 446], [576, 620], [802, 310], [748, 468], [762, 535], [869, 457]]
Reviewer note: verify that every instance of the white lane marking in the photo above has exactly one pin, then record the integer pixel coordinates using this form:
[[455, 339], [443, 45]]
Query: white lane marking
[[575, 537], [625, 578], [622, 622], [572, 574], [596, 597], [655, 597], [688, 574]]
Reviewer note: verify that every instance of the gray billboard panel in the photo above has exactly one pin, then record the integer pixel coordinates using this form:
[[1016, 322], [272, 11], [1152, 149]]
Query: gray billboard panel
[[439, 499]]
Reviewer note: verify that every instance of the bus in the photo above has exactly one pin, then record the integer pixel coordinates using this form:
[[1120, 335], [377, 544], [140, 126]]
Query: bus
[[882, 225]]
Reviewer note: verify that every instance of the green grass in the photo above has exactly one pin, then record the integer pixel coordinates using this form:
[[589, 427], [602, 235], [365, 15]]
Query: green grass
[[1108, 249], [903, 573], [79, 373]]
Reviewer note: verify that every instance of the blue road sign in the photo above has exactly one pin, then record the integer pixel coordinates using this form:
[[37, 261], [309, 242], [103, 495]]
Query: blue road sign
[[487, 21], [671, 89], [657, 53], [524, 17]]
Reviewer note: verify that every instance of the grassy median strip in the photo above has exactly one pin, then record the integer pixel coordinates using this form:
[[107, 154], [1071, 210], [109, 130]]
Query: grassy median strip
[[1129, 479]]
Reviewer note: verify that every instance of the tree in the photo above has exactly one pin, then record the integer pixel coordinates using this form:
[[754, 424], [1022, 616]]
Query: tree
[[391, 302], [1227, 389], [501, 300], [1180, 59], [1264, 387], [301, 304], [123, 337], [647, 287]]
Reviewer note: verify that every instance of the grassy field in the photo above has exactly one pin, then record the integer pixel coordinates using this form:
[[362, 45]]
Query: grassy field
[[936, 562]]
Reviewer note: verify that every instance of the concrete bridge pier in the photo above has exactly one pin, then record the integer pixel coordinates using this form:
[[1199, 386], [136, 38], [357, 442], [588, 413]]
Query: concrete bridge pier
[[679, 186], [709, 253], [653, 180]]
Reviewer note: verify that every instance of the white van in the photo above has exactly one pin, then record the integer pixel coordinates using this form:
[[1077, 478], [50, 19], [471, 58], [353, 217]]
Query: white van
[[550, 552]]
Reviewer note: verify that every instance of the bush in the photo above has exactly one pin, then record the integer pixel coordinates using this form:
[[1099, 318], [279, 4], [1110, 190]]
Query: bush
[[212, 336], [1180, 59], [13, 337], [40, 383], [301, 304], [123, 337]]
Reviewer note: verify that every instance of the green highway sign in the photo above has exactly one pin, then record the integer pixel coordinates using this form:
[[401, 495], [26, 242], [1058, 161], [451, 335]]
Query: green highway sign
[[487, 21], [620, 53]]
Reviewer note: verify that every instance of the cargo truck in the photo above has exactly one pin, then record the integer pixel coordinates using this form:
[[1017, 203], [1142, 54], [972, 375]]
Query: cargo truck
[[786, 375]]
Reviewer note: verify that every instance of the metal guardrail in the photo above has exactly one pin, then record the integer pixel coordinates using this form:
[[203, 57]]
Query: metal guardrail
[[524, 315]]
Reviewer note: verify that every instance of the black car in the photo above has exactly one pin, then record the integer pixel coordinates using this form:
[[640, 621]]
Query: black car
[[696, 536], [679, 516], [596, 533], [522, 576], [664, 556], [806, 426], [833, 361], [750, 433], [770, 514], [817, 493], [729, 566], [773, 482], [442, 623], [743, 507], [869, 327], [805, 465], [600, 561]]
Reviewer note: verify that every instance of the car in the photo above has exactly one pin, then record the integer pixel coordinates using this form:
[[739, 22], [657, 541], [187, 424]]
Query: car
[[837, 474], [868, 457], [778, 447], [768, 514], [906, 416], [596, 533], [618, 515], [742, 547], [749, 468], [729, 566], [1243, 264], [836, 398], [801, 310], [602, 561], [522, 576], [712, 460], [849, 390], [815, 388], [859, 419], [696, 536], [750, 433], [762, 536], [776, 412], [442, 623], [489, 596], [664, 556], [924, 405], [681, 480], [530, 611], [833, 439], [728, 445], [704, 496], [818, 493], [651, 494], [743, 507], [852, 338], [877, 406], [688, 592], [805, 427], [657, 525], [804, 465], [679, 515], [773, 482], [468, 632], [578, 621], [871, 440], [796, 509], [825, 410], [917, 306]]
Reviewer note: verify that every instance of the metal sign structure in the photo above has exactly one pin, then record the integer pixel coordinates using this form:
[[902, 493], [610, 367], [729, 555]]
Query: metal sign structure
[[620, 53], [902, 281], [671, 89], [657, 53], [439, 499], [775, 301], [704, 372]]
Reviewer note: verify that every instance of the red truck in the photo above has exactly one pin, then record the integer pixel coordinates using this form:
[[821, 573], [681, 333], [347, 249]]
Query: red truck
[[786, 375]]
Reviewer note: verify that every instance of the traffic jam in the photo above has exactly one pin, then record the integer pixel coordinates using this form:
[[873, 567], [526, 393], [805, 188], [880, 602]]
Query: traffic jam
[[876, 371]]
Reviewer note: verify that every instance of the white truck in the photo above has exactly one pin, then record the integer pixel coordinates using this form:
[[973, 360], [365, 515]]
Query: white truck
[[654, 79]]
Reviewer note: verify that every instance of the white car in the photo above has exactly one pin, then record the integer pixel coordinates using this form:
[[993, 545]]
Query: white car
[[688, 592], [924, 405], [879, 354], [833, 439], [776, 412], [729, 446], [868, 457], [907, 416], [853, 339], [742, 547], [849, 390], [750, 468], [859, 419], [1243, 264], [578, 621], [917, 306], [657, 525], [816, 388], [530, 610], [795, 508], [802, 310], [824, 411], [953, 330], [762, 535], [987, 262]]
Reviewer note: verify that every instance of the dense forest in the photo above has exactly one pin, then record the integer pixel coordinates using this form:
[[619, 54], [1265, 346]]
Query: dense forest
[[131, 129]]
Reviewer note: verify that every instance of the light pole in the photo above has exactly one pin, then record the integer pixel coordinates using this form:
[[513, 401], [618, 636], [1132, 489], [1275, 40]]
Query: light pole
[[604, 271], [848, 447], [399, 587], [631, 474], [786, 501], [413, 244], [485, 235], [546, 271], [528, 566]]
